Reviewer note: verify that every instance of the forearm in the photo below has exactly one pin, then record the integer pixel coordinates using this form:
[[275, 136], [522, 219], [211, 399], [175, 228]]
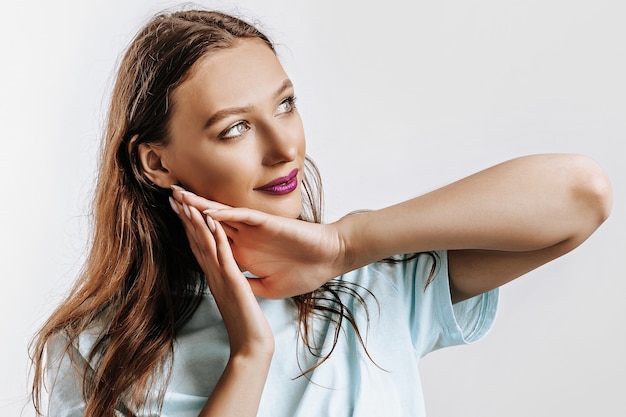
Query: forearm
[[525, 204], [516, 215], [238, 392]]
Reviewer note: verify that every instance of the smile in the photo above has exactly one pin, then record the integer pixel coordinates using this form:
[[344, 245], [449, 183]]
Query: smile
[[281, 185]]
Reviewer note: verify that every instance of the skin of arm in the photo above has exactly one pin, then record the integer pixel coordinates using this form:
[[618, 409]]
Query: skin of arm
[[238, 391], [497, 224]]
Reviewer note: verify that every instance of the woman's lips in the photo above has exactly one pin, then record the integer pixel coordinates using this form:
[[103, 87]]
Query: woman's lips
[[281, 185]]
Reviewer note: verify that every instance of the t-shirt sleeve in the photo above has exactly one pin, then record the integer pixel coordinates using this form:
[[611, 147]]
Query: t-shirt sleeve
[[434, 321]]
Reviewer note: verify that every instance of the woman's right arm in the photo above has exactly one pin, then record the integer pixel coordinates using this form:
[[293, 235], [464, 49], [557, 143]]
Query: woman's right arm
[[238, 391]]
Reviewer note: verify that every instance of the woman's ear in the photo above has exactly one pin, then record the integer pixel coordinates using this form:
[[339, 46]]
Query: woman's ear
[[153, 167]]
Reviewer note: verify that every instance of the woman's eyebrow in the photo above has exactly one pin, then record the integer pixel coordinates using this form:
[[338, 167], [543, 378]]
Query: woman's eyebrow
[[224, 113], [287, 84]]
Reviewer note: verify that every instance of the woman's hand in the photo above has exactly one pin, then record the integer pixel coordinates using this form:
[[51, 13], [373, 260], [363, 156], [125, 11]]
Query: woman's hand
[[248, 331], [239, 389], [289, 256]]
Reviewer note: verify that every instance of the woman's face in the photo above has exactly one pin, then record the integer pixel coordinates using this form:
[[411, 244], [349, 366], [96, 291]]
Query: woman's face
[[236, 136]]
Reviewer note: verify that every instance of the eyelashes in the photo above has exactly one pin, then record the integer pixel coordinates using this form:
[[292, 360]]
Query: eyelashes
[[285, 107], [288, 105], [235, 130]]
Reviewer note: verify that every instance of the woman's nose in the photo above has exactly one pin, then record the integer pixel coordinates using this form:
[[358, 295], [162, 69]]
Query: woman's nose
[[280, 145]]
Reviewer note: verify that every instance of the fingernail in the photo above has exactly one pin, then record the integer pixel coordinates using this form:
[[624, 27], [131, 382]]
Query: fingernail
[[208, 211], [176, 187], [189, 193], [210, 223], [174, 206], [186, 210]]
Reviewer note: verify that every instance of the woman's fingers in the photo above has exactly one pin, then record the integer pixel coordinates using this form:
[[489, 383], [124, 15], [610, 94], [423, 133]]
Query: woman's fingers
[[200, 238], [209, 242], [224, 253], [201, 203], [241, 215], [230, 229], [181, 196]]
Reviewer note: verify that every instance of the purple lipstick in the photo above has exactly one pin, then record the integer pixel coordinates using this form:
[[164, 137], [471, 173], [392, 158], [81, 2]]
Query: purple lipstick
[[281, 185]]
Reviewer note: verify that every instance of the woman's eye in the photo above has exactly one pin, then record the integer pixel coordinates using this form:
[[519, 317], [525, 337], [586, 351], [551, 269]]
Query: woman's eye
[[287, 105], [235, 130]]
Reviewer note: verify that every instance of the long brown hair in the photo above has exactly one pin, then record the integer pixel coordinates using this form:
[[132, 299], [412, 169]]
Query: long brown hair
[[140, 282]]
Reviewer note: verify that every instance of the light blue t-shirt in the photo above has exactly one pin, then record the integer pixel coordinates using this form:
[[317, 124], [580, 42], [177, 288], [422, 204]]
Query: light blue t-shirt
[[407, 320]]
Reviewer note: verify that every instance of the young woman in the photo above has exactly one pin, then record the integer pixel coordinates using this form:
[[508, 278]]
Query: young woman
[[213, 288]]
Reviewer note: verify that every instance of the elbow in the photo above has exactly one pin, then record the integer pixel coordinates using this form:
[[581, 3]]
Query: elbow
[[603, 197], [591, 197], [592, 190]]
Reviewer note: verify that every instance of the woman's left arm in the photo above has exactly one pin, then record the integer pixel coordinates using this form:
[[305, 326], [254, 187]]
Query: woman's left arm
[[497, 224]]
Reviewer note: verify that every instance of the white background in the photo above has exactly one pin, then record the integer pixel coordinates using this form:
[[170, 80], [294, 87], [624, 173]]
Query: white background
[[398, 98]]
